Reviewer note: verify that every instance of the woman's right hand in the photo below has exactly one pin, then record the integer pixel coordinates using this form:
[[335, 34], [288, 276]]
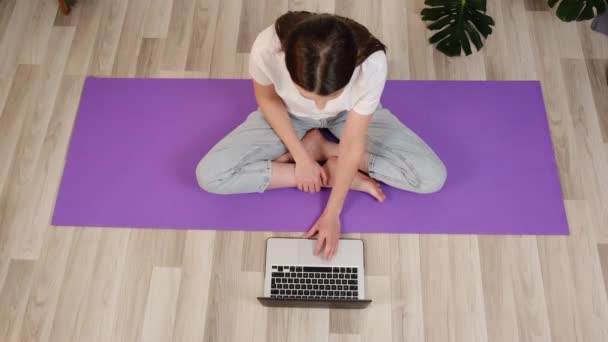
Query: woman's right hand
[[310, 176]]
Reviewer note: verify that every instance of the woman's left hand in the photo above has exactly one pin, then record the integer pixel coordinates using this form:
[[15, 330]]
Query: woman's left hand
[[328, 229]]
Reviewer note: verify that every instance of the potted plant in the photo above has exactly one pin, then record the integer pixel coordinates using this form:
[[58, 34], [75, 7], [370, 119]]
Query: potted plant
[[459, 23], [579, 10]]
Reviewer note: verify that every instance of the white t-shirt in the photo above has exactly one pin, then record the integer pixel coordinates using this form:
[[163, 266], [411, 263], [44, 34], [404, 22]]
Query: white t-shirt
[[361, 94]]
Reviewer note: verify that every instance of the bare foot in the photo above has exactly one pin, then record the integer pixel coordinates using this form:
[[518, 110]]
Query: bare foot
[[315, 145], [361, 182]]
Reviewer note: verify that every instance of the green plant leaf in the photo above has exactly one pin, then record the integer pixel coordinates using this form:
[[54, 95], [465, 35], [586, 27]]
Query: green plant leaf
[[579, 10], [473, 35], [458, 22]]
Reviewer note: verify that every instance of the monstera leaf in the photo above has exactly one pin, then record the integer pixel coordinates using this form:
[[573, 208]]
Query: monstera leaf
[[459, 22], [579, 10]]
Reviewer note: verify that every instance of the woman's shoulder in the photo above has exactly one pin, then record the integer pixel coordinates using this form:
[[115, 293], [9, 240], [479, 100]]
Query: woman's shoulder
[[267, 42], [375, 60], [375, 67]]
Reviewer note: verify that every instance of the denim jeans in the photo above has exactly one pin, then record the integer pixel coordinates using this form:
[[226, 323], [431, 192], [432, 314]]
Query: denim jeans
[[241, 161]]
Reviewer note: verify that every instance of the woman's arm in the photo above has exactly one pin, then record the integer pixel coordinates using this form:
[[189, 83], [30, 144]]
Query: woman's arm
[[309, 175], [274, 111], [351, 150]]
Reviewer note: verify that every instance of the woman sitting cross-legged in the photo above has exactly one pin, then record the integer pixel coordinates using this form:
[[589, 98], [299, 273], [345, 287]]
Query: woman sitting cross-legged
[[313, 71]]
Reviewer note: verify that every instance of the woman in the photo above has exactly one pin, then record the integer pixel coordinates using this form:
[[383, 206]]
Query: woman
[[314, 71]]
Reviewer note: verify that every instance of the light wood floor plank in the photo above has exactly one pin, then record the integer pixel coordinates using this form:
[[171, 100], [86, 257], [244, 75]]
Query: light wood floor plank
[[394, 23], [194, 287], [6, 12], [528, 290], [242, 66], [157, 19], [497, 280], [134, 286], [46, 286], [588, 135], [203, 36], [319, 6], [568, 159], [67, 20], [74, 288], [536, 5], [108, 37], [221, 305], [559, 289], [470, 68], [348, 322], [377, 254], [548, 35], [327, 6], [224, 51], [12, 38], [251, 318], [101, 305], [256, 16], [13, 298], [278, 320], [547, 50], [254, 258], [84, 38], [376, 322], [344, 338], [178, 36], [20, 193], [299, 325], [591, 300], [580, 98], [406, 289], [125, 61], [161, 304], [435, 274], [420, 54], [250, 22], [603, 252], [168, 246], [149, 57], [24, 87], [36, 38], [598, 75], [50, 162], [5, 87], [594, 44], [466, 291], [509, 46]]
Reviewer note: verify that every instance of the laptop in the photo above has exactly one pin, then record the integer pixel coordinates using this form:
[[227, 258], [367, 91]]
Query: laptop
[[295, 277]]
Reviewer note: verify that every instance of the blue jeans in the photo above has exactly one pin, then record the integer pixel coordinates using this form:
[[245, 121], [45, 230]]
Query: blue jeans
[[241, 161]]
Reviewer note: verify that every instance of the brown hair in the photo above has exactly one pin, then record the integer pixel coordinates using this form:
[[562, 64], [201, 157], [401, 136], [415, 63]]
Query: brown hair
[[322, 50]]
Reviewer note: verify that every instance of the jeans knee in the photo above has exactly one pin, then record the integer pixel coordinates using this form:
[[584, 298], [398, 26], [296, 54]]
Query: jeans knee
[[422, 176], [434, 179], [207, 178]]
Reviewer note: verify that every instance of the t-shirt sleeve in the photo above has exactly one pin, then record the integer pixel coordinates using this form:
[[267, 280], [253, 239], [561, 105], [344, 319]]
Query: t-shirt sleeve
[[258, 57], [374, 73]]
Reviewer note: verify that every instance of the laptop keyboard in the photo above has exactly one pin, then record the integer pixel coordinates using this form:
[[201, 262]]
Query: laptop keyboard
[[314, 282]]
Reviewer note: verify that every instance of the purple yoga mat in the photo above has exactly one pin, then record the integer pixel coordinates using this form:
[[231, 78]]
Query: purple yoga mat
[[136, 143]]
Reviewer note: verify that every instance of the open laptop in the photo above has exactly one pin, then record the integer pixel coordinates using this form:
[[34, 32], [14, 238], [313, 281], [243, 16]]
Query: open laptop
[[296, 277]]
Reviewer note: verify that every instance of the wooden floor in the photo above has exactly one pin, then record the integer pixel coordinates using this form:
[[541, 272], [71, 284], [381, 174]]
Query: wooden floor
[[72, 284]]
